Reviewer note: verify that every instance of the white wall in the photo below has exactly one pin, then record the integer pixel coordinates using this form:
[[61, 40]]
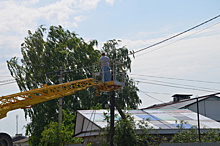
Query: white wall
[[209, 107]]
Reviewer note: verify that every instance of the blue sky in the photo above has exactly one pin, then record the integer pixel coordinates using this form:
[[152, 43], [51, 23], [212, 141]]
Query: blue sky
[[192, 56]]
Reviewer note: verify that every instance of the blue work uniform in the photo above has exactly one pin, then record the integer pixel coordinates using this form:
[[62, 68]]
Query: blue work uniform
[[105, 69]]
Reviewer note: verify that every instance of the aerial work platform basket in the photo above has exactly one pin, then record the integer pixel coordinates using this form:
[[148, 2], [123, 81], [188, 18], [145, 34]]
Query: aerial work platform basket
[[116, 76]]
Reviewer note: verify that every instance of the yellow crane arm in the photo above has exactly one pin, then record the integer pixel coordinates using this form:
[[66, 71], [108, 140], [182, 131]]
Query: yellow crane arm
[[29, 98]]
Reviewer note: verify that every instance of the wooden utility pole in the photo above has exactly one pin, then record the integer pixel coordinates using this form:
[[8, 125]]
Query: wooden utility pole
[[112, 108], [197, 101], [60, 99], [112, 117]]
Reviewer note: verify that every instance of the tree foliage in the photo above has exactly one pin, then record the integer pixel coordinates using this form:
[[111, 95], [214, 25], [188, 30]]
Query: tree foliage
[[52, 136], [42, 58], [192, 136], [129, 133], [43, 52]]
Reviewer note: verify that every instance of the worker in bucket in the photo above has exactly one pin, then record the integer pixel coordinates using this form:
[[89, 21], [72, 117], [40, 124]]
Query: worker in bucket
[[104, 62]]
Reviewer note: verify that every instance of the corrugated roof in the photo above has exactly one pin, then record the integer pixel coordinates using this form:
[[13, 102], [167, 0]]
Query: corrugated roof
[[161, 119]]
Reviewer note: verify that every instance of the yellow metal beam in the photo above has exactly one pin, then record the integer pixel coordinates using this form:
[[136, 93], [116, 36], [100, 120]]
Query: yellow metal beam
[[29, 98]]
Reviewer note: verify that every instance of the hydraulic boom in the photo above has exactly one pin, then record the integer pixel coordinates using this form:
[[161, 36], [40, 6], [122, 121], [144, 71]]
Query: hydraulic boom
[[29, 98]]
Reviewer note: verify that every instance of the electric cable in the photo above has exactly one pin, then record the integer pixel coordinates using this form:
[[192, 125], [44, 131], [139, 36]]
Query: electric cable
[[178, 84], [44, 74], [91, 120], [151, 96], [91, 126], [151, 92], [173, 86], [7, 83], [178, 40], [174, 36], [3, 81], [190, 80], [157, 107], [5, 76], [157, 100]]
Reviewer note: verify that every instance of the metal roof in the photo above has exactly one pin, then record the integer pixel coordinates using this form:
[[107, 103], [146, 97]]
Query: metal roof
[[163, 120], [181, 103]]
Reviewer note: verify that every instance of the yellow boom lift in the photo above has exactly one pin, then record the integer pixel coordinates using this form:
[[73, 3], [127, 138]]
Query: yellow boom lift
[[29, 98]]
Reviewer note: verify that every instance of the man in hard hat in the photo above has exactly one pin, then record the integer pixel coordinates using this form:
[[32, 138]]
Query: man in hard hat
[[104, 62]]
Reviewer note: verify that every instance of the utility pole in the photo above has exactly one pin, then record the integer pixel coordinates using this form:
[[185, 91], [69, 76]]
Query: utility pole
[[16, 124], [112, 115], [60, 99], [114, 103], [197, 101], [112, 108]]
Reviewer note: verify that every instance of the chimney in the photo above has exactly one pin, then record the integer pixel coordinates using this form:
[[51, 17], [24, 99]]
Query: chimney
[[179, 97]]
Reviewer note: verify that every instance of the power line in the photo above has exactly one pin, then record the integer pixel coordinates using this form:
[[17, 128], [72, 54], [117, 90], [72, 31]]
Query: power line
[[3, 81], [5, 76], [151, 96], [7, 83], [151, 92], [13, 80], [175, 35], [157, 100], [171, 78], [179, 84], [178, 40], [173, 86], [91, 125]]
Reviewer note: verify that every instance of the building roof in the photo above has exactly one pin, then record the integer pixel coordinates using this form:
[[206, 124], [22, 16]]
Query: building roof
[[180, 104], [25, 140], [167, 121], [18, 137]]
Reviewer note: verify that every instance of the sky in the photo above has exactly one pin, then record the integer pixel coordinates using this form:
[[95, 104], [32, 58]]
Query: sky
[[188, 63]]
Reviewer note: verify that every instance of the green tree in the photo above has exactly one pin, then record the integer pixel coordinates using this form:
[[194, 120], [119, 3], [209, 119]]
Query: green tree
[[52, 136], [44, 51], [124, 132], [130, 133], [191, 135], [42, 57]]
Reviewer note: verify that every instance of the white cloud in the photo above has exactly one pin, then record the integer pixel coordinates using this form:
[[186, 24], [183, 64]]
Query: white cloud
[[79, 18], [29, 2], [18, 17], [110, 2], [86, 4]]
